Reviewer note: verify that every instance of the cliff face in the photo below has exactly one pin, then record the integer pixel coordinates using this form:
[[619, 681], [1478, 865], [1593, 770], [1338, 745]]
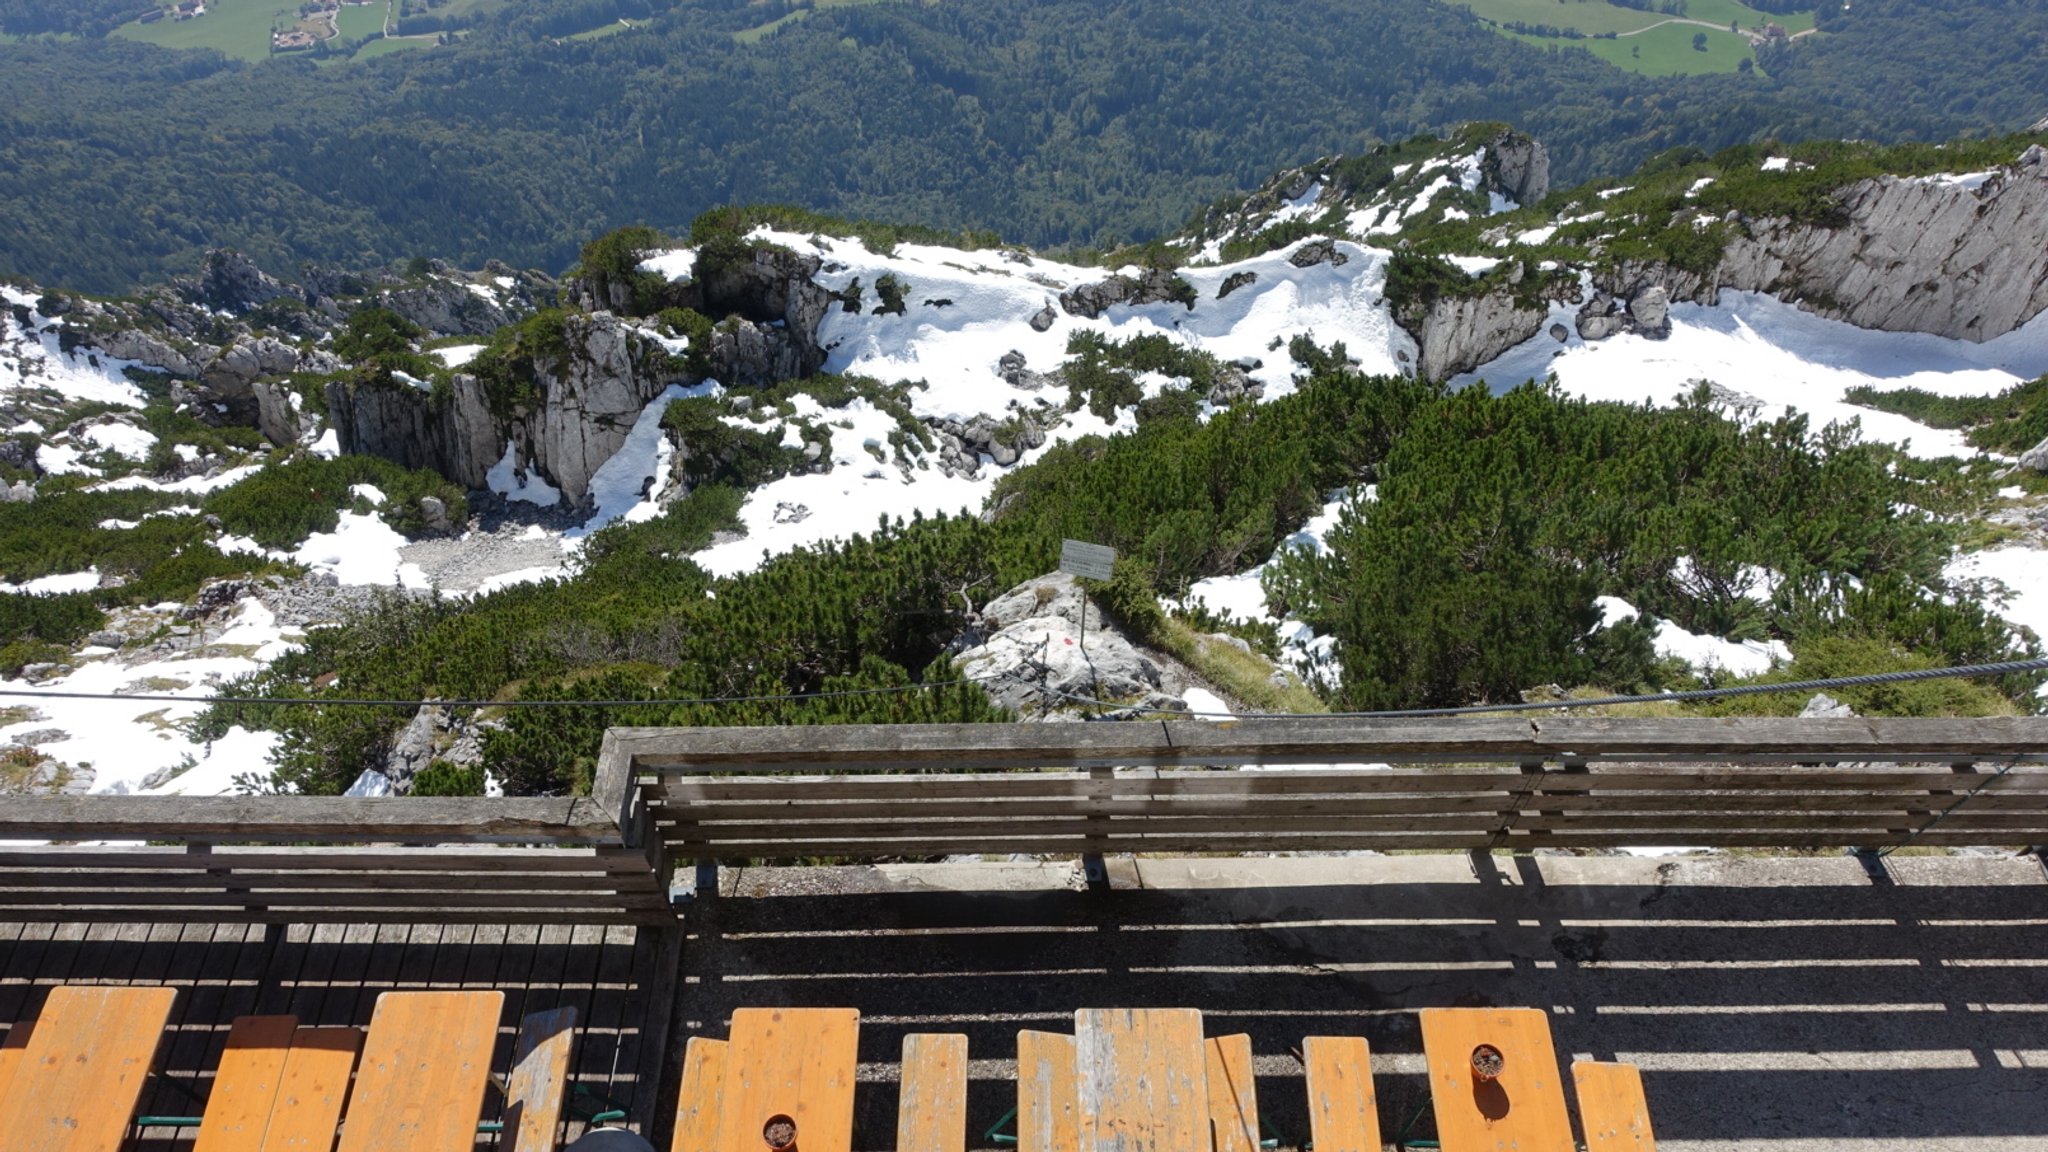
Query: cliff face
[[1955, 257], [1960, 259], [583, 409], [1459, 334]]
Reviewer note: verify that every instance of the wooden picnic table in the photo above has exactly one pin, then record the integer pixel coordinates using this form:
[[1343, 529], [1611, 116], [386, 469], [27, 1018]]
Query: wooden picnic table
[[74, 1084], [1520, 1108]]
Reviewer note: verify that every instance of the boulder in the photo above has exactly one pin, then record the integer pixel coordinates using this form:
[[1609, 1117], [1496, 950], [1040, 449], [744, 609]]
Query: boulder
[[1030, 655], [149, 350], [1234, 281], [277, 413], [1152, 286], [1043, 319], [1651, 310], [1559, 333], [1323, 251], [2036, 458]]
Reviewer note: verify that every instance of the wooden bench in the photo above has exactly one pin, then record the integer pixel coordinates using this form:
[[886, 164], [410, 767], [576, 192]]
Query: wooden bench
[[797, 1063], [1343, 1114], [539, 1083], [1048, 1107], [1233, 1094], [702, 1099], [931, 1108], [81, 1070], [425, 1065], [312, 1090], [279, 1087], [1612, 1110], [1141, 1080]]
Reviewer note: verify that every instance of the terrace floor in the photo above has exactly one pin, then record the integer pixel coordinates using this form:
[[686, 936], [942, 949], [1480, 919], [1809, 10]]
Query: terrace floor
[[1776, 1003]]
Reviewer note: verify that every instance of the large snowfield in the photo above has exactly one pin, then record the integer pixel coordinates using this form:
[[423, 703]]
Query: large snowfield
[[965, 311]]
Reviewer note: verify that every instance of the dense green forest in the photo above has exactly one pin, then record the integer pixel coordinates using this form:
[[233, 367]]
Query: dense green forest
[[1470, 577], [1058, 121]]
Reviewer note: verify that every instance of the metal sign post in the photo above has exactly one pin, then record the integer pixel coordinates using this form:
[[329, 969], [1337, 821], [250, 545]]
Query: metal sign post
[[1092, 562]]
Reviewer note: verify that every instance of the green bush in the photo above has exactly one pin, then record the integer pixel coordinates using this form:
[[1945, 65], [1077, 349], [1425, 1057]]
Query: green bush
[[441, 778], [284, 503]]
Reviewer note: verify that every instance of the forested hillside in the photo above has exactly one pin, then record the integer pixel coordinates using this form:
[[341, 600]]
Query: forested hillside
[[1056, 121]]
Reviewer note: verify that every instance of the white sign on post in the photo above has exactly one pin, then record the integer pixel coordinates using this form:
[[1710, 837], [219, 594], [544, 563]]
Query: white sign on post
[[1092, 561]]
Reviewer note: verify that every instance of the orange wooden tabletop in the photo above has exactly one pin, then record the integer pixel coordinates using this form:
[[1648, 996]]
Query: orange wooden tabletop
[[1521, 1111], [75, 1085], [793, 1062], [425, 1065], [1141, 1080]]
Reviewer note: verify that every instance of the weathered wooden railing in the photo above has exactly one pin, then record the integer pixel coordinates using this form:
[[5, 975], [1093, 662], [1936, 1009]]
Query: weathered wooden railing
[[870, 791], [877, 791], [325, 859]]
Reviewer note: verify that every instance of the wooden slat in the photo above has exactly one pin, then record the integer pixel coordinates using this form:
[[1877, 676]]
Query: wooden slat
[[702, 1099], [931, 1110], [539, 1083], [78, 1080], [295, 898], [450, 858], [365, 884], [1141, 1080], [424, 1067], [243, 819], [1048, 1101], [245, 1085], [313, 1090], [1343, 1113], [824, 809], [1316, 740], [1233, 1094], [795, 1062], [210, 916], [1612, 1110], [1523, 1109], [1439, 779]]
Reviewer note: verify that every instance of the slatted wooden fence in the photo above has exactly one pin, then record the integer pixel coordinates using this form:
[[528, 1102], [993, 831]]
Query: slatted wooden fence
[[871, 791], [283, 859]]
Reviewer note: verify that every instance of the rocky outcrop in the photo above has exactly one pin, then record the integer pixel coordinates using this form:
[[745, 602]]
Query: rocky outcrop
[[149, 349], [1234, 281], [1152, 286], [1647, 313], [1458, 334], [231, 282], [448, 308], [1958, 258], [1233, 384], [1030, 656], [962, 444], [1011, 366], [277, 413], [574, 418], [751, 354], [1517, 167], [460, 438], [1320, 251]]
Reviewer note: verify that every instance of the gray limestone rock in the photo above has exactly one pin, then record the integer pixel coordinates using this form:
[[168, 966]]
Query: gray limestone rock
[[414, 748], [1322, 251], [2036, 458], [1152, 286], [1559, 333], [1234, 281], [1030, 654], [1517, 167], [1044, 318], [1651, 310]]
